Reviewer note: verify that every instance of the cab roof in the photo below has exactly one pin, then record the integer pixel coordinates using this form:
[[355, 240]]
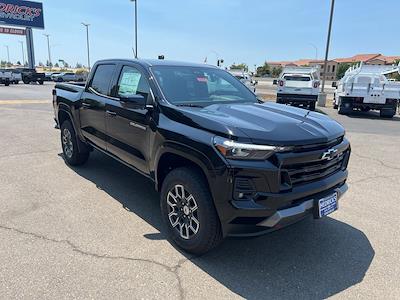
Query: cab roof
[[156, 62]]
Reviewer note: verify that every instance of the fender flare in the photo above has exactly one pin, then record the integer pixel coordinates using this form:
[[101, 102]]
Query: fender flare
[[62, 107], [186, 152]]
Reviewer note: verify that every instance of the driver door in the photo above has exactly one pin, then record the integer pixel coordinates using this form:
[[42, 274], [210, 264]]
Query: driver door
[[127, 123]]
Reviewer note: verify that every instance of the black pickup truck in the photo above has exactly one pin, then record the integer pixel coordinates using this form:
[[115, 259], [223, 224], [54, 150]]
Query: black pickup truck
[[225, 163], [31, 75]]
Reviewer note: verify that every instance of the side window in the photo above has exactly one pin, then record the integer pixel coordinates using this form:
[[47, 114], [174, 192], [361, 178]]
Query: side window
[[102, 78], [132, 82]]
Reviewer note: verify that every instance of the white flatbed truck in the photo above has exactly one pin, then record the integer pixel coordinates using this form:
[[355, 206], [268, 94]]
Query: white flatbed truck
[[366, 87]]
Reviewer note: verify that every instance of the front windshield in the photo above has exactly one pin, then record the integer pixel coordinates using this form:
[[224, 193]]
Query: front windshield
[[201, 86]]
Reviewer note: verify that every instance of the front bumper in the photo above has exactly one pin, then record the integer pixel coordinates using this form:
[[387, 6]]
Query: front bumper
[[296, 98], [284, 215], [256, 218], [268, 195]]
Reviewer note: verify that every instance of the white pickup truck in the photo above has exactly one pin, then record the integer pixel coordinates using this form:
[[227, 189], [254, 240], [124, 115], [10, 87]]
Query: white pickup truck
[[245, 78], [5, 77], [298, 86], [366, 87]]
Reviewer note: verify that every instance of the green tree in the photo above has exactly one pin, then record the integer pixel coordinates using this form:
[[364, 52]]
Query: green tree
[[342, 68], [276, 71], [397, 75], [78, 66], [56, 65], [241, 66], [264, 70]]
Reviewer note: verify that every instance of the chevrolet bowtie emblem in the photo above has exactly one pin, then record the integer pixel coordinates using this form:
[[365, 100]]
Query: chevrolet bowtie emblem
[[329, 155]]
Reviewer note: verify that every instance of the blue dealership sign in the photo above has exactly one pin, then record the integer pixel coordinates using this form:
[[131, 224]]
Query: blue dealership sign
[[21, 13]]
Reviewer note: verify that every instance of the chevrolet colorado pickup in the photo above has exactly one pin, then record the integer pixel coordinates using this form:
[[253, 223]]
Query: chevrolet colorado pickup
[[225, 163]]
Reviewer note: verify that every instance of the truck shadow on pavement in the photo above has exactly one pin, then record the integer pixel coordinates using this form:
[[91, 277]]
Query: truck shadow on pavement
[[311, 259], [373, 115]]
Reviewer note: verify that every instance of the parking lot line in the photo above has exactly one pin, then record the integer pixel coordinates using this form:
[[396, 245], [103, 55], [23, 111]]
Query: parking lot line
[[8, 102]]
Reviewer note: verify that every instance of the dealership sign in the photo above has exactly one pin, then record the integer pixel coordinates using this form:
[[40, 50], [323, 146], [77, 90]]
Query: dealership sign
[[8, 30], [21, 13]]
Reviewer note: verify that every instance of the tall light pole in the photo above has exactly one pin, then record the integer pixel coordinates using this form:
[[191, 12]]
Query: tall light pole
[[23, 52], [322, 97], [87, 43], [48, 48], [136, 29], [8, 53], [316, 50]]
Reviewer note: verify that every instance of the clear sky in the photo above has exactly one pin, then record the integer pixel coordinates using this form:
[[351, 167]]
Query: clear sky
[[190, 30]]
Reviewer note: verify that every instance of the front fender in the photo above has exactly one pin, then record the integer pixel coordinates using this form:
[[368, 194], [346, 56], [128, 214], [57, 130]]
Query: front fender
[[187, 152]]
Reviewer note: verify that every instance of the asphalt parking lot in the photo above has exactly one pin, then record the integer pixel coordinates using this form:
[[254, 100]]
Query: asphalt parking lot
[[95, 231]]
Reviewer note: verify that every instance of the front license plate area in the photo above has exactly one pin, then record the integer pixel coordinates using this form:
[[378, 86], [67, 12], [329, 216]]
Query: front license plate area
[[327, 205]]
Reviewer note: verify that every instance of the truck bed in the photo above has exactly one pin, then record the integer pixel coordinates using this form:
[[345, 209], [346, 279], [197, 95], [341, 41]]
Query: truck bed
[[69, 92]]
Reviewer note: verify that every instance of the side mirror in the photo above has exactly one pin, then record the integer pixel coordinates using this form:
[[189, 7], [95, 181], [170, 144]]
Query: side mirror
[[275, 82], [138, 100], [334, 84]]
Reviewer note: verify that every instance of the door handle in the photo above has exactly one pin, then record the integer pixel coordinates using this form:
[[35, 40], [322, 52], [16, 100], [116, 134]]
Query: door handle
[[111, 113], [85, 105]]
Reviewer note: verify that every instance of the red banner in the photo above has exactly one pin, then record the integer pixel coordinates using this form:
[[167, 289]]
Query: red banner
[[8, 30]]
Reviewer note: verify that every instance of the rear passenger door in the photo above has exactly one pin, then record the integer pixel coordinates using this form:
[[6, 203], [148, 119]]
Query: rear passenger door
[[128, 122], [93, 102]]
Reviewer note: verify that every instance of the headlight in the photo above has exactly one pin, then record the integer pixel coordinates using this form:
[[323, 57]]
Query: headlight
[[233, 150]]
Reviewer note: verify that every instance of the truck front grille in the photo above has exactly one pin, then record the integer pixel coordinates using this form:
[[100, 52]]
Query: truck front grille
[[306, 165], [312, 171]]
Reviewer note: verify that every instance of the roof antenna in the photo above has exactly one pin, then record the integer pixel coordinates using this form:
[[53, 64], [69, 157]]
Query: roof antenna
[[134, 53]]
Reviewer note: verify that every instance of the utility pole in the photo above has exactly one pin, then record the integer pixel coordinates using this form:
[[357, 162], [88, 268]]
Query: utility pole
[[87, 43], [136, 29], [48, 48], [8, 53], [322, 96], [23, 52]]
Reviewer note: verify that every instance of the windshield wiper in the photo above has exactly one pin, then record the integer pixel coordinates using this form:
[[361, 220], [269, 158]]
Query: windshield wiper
[[189, 105]]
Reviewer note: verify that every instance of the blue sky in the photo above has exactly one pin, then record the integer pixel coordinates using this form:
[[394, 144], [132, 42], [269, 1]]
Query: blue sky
[[190, 30]]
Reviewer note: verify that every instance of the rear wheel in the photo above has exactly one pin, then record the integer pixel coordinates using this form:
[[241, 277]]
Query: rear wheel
[[344, 108], [188, 211], [387, 113], [72, 155], [7, 83], [41, 82]]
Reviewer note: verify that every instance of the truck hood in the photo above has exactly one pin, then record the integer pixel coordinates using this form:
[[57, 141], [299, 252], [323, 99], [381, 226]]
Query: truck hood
[[267, 123]]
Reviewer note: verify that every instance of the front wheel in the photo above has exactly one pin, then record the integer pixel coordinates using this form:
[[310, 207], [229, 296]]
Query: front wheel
[[72, 155], [188, 211]]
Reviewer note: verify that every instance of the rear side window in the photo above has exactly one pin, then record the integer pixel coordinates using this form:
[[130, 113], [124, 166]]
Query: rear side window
[[102, 78], [297, 78]]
